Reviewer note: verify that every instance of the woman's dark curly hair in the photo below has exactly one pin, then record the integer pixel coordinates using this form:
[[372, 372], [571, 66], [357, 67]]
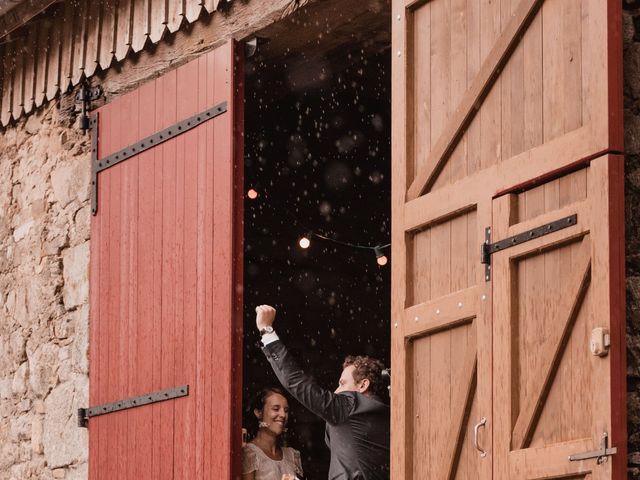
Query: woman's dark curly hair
[[371, 369]]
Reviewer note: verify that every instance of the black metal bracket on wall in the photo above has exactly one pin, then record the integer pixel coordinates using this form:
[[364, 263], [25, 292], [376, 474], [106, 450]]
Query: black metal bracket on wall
[[98, 165], [154, 397], [487, 249], [86, 95]]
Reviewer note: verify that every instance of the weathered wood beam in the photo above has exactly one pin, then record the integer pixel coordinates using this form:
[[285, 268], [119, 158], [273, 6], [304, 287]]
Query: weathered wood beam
[[239, 21], [21, 14]]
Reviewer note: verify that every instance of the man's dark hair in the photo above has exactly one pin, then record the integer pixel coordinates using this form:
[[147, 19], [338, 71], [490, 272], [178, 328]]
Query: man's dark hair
[[371, 369]]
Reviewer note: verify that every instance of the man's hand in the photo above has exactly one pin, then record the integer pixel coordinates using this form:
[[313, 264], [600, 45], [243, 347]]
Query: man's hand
[[265, 316]]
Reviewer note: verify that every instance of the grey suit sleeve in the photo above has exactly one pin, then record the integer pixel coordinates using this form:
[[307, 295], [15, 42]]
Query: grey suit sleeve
[[333, 408]]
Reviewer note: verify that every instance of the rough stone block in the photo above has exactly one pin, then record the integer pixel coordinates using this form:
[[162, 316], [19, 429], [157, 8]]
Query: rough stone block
[[19, 384], [43, 368], [70, 182], [64, 443], [76, 275]]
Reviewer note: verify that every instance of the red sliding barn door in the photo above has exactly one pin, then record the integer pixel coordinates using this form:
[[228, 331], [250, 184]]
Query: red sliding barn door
[[165, 259]]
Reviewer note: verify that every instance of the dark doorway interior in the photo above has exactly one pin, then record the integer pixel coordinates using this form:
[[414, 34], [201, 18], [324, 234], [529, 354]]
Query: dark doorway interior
[[317, 152]]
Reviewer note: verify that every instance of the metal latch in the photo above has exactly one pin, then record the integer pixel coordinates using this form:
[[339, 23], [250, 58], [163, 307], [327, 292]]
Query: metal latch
[[487, 248], [601, 455]]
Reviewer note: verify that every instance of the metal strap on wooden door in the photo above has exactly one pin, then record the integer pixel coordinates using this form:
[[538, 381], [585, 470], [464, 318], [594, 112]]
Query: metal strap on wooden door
[[172, 131], [147, 399], [488, 248]]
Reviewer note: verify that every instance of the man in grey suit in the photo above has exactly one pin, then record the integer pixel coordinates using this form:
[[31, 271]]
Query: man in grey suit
[[357, 431]]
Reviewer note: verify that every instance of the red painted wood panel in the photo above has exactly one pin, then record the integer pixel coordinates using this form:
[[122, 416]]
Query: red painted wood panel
[[166, 256]]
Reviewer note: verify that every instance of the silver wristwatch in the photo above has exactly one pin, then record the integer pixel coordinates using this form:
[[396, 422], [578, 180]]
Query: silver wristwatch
[[265, 330]]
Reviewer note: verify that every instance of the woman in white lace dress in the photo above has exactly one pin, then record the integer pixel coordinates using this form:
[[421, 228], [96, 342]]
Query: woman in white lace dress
[[263, 458]]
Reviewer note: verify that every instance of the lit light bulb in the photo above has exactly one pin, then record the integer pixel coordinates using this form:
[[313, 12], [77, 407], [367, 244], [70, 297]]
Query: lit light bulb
[[381, 258], [304, 242], [252, 194]]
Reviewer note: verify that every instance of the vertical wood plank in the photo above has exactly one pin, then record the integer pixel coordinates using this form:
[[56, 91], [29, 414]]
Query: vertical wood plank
[[459, 16], [209, 407], [505, 342], [211, 5], [474, 61], [419, 87], [134, 422], [193, 8], [533, 111], [201, 140], [118, 364], [552, 92], [140, 25], [419, 416], [402, 444], [54, 58], [440, 76], [105, 289], [124, 28], [223, 287], [94, 19], [95, 346], [572, 64], [17, 103], [157, 159], [108, 35], [158, 19], [170, 315], [146, 266], [505, 87], [79, 43], [44, 45], [188, 95], [8, 67], [31, 62], [176, 15], [67, 46], [490, 112]]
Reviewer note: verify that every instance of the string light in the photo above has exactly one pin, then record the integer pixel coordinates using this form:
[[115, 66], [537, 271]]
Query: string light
[[304, 241], [381, 258]]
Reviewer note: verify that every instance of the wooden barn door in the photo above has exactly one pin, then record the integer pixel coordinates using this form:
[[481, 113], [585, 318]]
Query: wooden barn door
[[165, 378], [507, 240]]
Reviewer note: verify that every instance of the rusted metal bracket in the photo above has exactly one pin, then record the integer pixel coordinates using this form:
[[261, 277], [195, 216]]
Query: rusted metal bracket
[[487, 248], [98, 165], [154, 397], [601, 455]]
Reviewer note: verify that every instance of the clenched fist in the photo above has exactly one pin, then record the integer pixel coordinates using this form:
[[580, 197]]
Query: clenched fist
[[265, 316]]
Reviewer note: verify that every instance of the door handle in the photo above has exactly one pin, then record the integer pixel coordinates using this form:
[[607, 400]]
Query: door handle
[[481, 423]]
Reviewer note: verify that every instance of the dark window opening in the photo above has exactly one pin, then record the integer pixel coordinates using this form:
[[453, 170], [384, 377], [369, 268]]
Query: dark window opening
[[318, 155]]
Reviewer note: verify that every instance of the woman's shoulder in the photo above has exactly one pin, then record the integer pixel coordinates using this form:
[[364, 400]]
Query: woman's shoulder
[[290, 450], [250, 461]]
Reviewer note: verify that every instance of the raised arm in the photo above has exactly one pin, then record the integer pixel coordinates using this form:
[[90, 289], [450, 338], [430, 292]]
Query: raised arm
[[332, 407]]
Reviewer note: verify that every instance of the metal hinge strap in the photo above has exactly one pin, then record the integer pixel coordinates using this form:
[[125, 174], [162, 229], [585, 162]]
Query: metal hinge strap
[[160, 396], [488, 248], [152, 141], [601, 455]]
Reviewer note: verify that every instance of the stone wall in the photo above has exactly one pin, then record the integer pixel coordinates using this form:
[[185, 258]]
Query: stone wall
[[44, 285]]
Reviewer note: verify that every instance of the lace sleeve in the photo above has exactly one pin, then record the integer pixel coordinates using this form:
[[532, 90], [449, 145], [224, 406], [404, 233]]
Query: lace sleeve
[[249, 460], [297, 462]]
